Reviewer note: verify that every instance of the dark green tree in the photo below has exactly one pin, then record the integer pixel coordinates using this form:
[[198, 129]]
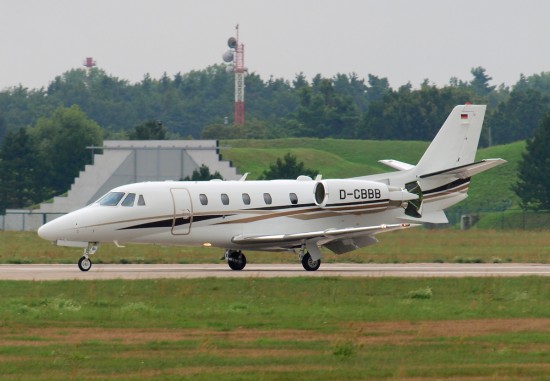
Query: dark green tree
[[533, 186], [480, 83], [408, 114], [325, 112], [61, 141], [518, 117], [377, 88], [150, 130], [287, 168], [203, 174], [21, 172], [353, 87], [3, 129]]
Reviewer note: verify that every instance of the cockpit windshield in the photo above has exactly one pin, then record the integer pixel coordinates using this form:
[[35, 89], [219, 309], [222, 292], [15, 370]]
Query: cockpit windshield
[[111, 199], [129, 200]]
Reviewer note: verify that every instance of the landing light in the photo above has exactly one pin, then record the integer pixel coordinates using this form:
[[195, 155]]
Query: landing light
[[207, 244]]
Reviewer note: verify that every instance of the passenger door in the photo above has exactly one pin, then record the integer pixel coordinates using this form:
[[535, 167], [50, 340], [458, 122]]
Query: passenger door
[[183, 211]]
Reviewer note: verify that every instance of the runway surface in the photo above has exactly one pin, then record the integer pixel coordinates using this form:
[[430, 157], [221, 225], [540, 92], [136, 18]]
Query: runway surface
[[130, 271]]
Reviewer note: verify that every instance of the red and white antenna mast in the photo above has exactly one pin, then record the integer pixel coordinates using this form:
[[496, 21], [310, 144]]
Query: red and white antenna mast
[[235, 54], [89, 63]]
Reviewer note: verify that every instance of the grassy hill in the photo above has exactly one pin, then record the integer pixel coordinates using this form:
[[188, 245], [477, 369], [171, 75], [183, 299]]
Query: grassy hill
[[334, 158], [340, 158]]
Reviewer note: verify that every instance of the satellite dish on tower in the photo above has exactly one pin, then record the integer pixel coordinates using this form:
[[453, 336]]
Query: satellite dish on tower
[[228, 56], [232, 42]]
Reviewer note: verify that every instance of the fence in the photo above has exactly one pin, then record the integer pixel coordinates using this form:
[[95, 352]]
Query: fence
[[501, 219], [25, 220]]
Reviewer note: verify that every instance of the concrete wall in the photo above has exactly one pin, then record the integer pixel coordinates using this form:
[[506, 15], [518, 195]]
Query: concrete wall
[[123, 162]]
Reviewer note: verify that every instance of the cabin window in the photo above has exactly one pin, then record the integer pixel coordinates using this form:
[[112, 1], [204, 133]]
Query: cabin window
[[225, 199], [111, 199], [141, 200], [246, 198], [129, 200], [267, 198], [293, 198], [203, 199]]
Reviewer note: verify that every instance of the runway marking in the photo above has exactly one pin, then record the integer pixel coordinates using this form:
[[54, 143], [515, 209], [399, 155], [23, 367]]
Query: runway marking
[[155, 271]]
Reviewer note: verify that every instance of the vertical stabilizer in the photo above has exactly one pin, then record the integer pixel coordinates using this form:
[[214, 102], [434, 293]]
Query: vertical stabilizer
[[456, 142]]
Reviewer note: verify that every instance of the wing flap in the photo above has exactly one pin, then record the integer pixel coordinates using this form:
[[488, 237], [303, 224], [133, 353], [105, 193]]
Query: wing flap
[[345, 245], [322, 237]]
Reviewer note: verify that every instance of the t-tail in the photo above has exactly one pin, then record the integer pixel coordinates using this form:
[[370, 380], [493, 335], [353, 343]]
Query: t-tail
[[442, 176]]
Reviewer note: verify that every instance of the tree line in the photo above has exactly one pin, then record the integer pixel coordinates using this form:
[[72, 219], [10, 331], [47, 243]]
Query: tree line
[[199, 104]]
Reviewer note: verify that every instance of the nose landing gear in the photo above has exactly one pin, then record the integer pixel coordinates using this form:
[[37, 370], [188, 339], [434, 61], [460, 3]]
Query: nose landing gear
[[85, 263]]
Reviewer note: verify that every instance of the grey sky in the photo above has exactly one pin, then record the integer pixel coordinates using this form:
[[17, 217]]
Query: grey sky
[[403, 40]]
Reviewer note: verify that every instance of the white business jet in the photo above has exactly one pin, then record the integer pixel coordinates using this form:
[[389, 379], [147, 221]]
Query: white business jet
[[299, 215]]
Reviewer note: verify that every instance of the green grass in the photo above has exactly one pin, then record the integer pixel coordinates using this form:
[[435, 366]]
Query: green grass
[[270, 329], [338, 158], [412, 245]]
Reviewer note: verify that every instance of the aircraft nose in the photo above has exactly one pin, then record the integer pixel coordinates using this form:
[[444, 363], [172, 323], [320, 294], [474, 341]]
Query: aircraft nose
[[59, 229], [47, 232]]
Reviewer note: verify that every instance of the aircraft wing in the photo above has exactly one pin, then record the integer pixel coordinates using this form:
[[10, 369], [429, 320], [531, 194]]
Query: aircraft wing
[[321, 237]]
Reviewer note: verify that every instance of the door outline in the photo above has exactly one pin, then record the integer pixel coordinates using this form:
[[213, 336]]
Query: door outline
[[183, 210]]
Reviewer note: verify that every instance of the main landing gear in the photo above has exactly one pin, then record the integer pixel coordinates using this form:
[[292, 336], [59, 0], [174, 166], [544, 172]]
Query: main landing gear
[[308, 262], [235, 259], [85, 263]]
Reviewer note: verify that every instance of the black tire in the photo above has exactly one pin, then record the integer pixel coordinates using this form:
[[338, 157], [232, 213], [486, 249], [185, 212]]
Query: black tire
[[84, 264], [236, 260], [309, 264]]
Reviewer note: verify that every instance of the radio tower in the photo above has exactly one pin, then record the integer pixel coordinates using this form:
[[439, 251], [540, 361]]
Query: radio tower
[[235, 54]]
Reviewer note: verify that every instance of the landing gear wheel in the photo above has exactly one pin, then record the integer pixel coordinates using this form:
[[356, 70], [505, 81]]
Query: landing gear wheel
[[309, 264], [236, 260], [84, 263]]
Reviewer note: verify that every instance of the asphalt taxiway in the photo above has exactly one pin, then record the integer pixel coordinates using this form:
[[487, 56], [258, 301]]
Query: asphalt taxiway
[[157, 271]]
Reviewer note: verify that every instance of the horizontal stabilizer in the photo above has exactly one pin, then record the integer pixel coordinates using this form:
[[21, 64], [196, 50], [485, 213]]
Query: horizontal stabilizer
[[466, 171], [396, 164]]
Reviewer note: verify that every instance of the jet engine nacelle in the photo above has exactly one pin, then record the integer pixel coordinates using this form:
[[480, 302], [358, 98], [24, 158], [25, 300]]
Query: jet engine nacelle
[[337, 193], [330, 194]]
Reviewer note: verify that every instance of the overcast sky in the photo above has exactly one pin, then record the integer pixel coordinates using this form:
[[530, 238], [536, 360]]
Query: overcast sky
[[403, 40]]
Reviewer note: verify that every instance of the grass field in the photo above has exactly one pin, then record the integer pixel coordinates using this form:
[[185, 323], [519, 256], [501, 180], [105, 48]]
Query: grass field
[[413, 245], [274, 329], [282, 329]]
